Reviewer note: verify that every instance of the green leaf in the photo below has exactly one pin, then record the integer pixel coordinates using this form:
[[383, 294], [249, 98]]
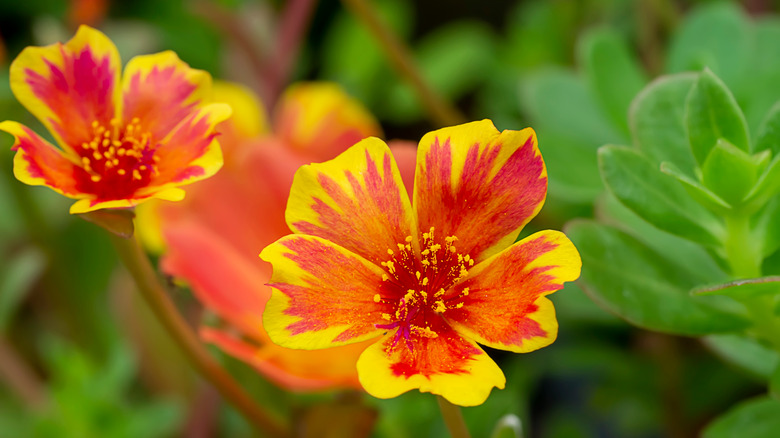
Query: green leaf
[[716, 36], [774, 384], [18, 276], [760, 92], [742, 289], [711, 113], [768, 137], [509, 426], [766, 226], [756, 418], [767, 186], [730, 172], [687, 255], [613, 73], [701, 194], [657, 118], [744, 352], [553, 98], [627, 278], [656, 197]]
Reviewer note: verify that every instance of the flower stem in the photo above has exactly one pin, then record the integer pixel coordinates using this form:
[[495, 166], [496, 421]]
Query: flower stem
[[155, 295], [453, 418], [743, 253], [438, 109]]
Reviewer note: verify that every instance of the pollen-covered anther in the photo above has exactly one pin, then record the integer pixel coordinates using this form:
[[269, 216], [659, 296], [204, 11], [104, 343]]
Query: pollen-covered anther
[[120, 150]]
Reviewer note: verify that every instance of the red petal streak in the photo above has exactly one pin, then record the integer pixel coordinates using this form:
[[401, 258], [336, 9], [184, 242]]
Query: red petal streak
[[369, 219], [489, 201], [447, 353], [337, 290], [158, 98], [78, 93], [43, 162], [504, 292]]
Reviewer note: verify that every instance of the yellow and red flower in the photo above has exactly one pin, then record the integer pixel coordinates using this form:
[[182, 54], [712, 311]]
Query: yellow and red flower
[[425, 280], [121, 141], [212, 238]]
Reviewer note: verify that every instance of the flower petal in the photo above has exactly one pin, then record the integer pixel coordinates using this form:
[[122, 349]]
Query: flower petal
[[296, 370], [69, 86], [321, 120], [161, 91], [38, 162], [505, 306], [221, 278], [447, 365], [479, 185], [190, 152], [323, 294], [356, 200]]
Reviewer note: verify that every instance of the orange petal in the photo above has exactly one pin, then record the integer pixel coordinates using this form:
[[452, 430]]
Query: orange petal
[[38, 162], [69, 86], [319, 120], [503, 298], [295, 370], [220, 277], [447, 365], [323, 294], [356, 200], [190, 152], [161, 91], [479, 185]]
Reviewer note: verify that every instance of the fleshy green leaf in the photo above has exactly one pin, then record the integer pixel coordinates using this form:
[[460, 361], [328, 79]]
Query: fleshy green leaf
[[768, 185], [745, 352], [756, 418], [657, 118], [701, 194], [639, 285], [613, 73], [768, 137], [716, 36], [741, 289], [711, 113], [766, 224], [761, 92], [656, 197], [730, 172]]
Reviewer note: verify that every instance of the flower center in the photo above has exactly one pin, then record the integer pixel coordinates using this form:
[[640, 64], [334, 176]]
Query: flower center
[[119, 159], [417, 286]]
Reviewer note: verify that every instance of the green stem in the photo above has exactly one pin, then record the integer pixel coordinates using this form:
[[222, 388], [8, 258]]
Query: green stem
[[155, 295], [743, 253], [453, 418], [438, 109]]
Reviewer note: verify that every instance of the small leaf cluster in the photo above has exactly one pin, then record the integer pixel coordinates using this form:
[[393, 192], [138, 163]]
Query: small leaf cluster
[[695, 212]]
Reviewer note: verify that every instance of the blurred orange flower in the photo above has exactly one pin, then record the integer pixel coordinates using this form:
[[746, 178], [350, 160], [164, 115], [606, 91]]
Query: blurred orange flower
[[213, 238], [121, 142]]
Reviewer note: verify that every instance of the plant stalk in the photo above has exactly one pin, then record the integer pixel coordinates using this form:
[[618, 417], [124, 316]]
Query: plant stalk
[[439, 110], [155, 295], [453, 418]]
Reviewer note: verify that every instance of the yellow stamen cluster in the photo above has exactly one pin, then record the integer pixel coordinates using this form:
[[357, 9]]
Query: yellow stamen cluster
[[121, 151], [426, 278]]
